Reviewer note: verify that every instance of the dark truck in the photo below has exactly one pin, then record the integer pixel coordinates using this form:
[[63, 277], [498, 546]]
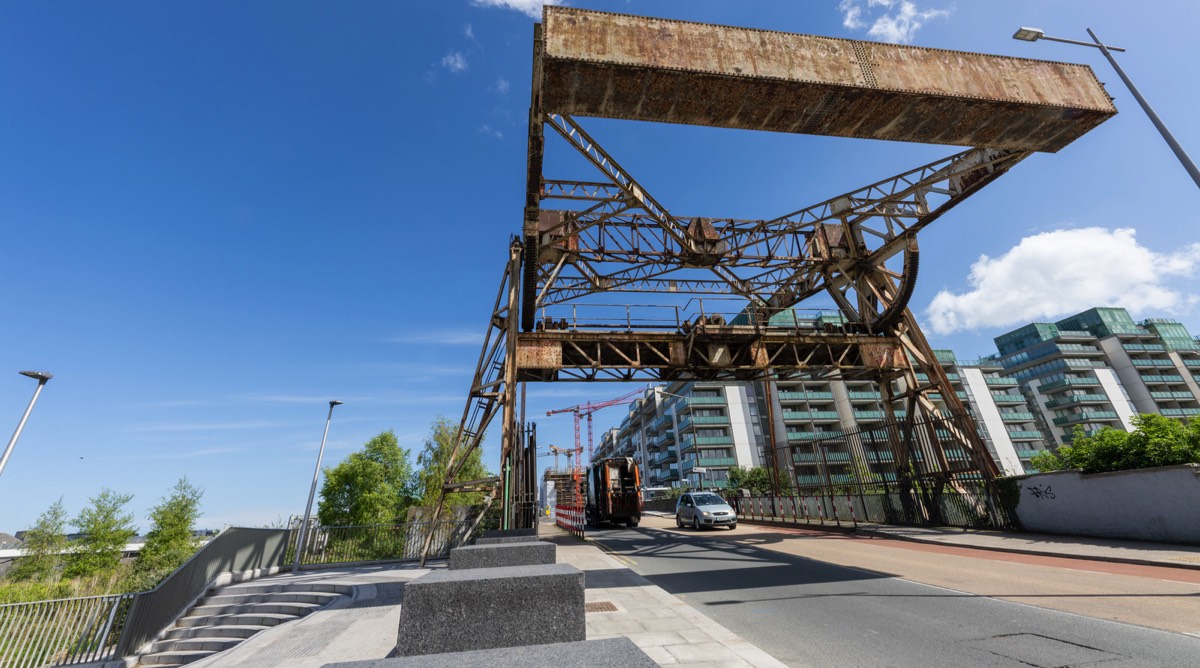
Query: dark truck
[[614, 494]]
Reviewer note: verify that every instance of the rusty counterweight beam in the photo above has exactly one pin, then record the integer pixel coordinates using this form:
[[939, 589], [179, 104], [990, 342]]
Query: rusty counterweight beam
[[651, 69]]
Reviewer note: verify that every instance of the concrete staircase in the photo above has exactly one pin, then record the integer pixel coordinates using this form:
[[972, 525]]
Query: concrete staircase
[[229, 615]]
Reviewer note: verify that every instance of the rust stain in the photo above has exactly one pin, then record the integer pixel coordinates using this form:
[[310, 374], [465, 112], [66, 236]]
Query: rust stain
[[642, 68]]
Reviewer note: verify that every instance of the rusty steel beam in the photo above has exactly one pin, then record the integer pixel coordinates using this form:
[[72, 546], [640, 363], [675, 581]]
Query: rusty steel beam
[[733, 352], [651, 69]]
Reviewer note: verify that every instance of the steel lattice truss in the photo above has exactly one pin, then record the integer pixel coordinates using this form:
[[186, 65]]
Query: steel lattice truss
[[625, 240], [609, 235]]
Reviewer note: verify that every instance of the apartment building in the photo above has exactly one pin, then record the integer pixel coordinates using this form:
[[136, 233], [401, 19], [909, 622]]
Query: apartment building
[[1095, 369]]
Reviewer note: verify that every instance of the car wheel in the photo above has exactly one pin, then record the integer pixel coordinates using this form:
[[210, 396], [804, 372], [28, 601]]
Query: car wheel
[[695, 523], [632, 522], [678, 521], [733, 526]]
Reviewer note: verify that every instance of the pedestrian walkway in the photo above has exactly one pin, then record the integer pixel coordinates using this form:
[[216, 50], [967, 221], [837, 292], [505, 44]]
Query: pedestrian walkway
[[619, 601]]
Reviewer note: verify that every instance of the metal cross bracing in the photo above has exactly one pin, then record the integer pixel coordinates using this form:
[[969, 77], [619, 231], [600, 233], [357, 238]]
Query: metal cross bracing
[[610, 236]]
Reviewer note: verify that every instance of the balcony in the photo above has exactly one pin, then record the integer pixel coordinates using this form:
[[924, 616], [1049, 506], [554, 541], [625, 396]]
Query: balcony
[[1067, 383], [706, 401], [804, 436], [805, 396], [871, 415], [689, 442], [1139, 347], [1185, 396], [1179, 412], [661, 421], [1017, 416], [664, 456], [996, 381], [1161, 378], [690, 464], [1078, 399], [1153, 363], [1191, 362], [1076, 418], [870, 396], [1027, 454], [1008, 399], [815, 457], [810, 415], [1025, 435]]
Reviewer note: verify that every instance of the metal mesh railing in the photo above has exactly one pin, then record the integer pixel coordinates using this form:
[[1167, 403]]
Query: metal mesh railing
[[62, 632], [380, 542]]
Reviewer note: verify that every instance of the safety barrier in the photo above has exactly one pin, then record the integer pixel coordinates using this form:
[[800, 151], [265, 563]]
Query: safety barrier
[[571, 519], [62, 632], [974, 506]]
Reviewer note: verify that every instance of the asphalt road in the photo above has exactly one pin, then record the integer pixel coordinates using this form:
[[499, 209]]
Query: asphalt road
[[795, 596]]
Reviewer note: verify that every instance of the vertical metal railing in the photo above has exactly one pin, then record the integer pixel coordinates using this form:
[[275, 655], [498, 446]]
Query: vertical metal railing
[[382, 542], [62, 632]]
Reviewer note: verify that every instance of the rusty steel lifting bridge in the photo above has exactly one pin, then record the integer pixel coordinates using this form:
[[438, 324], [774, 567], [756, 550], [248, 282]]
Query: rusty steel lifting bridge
[[611, 236]]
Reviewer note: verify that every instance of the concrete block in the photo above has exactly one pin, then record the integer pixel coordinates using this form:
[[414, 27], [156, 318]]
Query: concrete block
[[606, 653], [529, 553], [509, 533], [486, 608], [505, 539]]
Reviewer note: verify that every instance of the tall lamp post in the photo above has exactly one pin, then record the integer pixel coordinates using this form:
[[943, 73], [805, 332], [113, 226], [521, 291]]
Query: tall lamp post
[[41, 377], [1034, 34], [312, 491]]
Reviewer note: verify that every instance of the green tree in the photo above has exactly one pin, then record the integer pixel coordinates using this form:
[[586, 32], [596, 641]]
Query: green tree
[[106, 528], [371, 486], [171, 540], [757, 479], [434, 458], [1155, 441], [44, 545]]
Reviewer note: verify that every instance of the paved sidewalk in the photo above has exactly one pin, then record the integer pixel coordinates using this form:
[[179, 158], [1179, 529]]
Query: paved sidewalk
[[364, 626], [669, 630], [1073, 547]]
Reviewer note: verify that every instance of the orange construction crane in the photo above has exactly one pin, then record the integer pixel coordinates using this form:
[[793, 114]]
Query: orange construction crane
[[587, 409]]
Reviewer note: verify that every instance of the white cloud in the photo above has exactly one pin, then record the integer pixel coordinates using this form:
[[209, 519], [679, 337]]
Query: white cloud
[[469, 32], [455, 62], [501, 86], [491, 132], [1057, 273], [531, 8], [899, 22]]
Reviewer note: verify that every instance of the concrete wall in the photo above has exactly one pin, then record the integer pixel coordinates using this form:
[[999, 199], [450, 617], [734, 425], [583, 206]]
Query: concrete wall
[[1160, 504]]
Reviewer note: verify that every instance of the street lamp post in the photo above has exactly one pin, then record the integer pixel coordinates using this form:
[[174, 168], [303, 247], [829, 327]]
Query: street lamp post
[[41, 377], [312, 491], [1034, 34]]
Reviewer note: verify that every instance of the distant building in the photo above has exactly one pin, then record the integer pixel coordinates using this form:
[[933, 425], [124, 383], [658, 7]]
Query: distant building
[[1094, 369]]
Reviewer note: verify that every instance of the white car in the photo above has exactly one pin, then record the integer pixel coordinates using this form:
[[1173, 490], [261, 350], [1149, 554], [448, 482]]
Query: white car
[[704, 509]]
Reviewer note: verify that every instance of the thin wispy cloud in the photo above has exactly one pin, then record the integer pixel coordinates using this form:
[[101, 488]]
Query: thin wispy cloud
[[501, 86], [211, 426], [169, 454], [1052, 274], [455, 61], [490, 132], [895, 21], [530, 8], [445, 337]]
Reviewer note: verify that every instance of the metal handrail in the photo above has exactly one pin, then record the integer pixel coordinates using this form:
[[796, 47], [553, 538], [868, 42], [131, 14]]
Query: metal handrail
[[236, 550]]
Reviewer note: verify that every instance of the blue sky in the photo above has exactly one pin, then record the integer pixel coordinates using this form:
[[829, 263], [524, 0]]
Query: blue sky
[[220, 215]]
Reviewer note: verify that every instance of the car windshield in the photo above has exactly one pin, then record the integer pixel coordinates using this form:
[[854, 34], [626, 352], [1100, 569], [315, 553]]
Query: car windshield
[[708, 500]]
